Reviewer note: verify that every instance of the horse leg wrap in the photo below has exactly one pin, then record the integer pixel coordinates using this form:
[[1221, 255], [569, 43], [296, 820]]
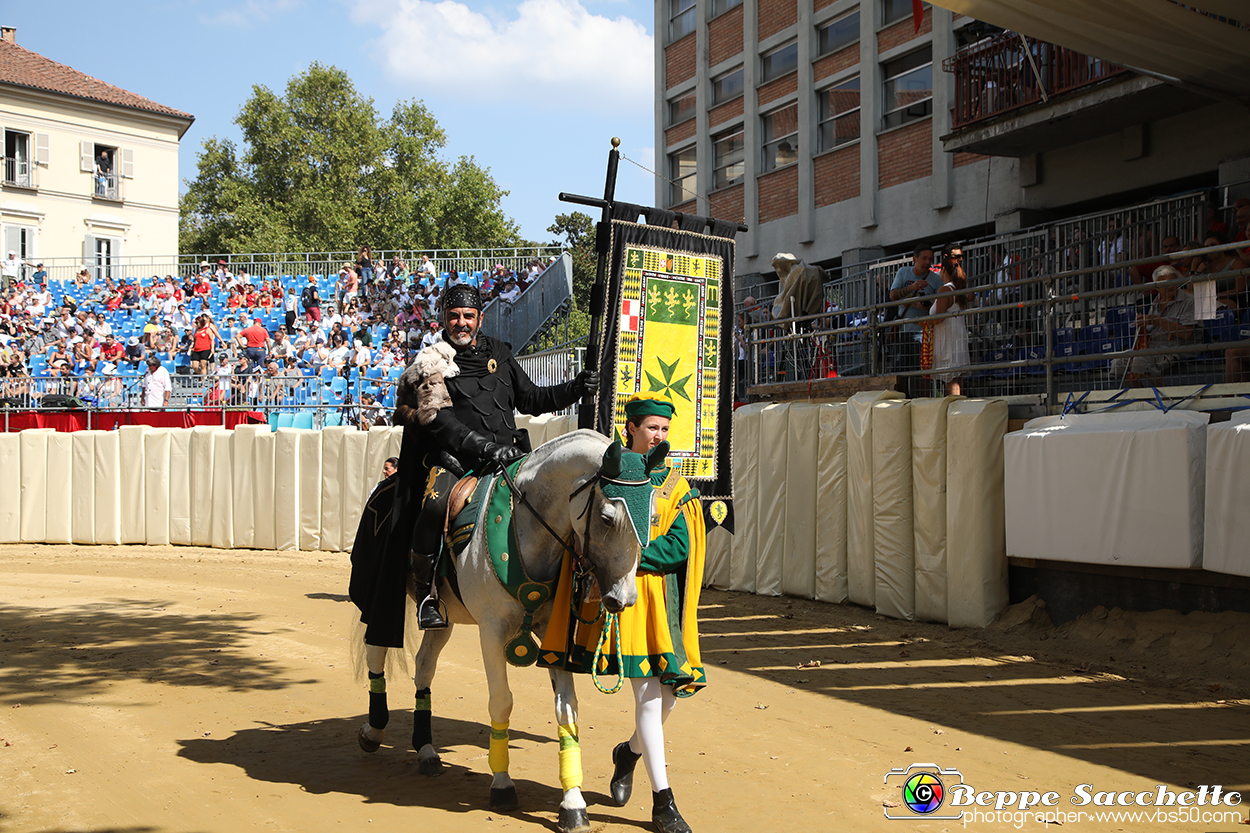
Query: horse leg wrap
[[498, 755], [379, 714], [421, 733], [570, 757]]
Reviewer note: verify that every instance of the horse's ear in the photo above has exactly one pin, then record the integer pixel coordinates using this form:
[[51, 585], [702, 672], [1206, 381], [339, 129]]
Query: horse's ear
[[612, 460], [655, 457]]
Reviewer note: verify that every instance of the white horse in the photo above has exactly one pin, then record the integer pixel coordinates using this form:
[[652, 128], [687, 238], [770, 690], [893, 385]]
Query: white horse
[[563, 481]]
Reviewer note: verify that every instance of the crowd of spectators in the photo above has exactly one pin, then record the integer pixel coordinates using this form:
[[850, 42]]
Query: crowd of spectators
[[221, 338]]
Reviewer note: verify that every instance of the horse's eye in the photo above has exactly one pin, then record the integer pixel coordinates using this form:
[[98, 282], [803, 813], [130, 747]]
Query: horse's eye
[[608, 513]]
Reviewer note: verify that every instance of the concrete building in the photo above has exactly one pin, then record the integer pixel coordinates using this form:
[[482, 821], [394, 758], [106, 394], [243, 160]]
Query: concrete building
[[840, 132], [90, 170]]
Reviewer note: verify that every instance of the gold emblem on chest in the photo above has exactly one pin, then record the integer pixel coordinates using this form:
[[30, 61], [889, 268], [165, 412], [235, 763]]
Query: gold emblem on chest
[[492, 366]]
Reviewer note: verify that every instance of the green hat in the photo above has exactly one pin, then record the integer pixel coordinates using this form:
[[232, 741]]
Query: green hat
[[649, 404]]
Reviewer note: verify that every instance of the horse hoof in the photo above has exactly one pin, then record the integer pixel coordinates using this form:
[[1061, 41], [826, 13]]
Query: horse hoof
[[430, 766], [504, 800], [574, 820], [367, 743]]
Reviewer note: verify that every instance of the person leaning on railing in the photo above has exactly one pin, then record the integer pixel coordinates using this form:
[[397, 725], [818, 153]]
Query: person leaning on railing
[[1169, 321]]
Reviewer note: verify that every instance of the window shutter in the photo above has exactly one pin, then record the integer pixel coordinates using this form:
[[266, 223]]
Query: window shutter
[[128, 163], [43, 148], [86, 162], [88, 250]]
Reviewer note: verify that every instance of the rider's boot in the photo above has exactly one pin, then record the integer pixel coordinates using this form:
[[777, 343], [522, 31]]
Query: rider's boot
[[429, 608], [664, 815], [624, 760]]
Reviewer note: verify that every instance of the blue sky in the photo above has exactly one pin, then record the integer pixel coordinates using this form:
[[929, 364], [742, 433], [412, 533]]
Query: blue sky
[[534, 90]]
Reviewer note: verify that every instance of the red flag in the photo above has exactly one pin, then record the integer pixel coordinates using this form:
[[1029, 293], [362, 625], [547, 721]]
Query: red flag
[[917, 12]]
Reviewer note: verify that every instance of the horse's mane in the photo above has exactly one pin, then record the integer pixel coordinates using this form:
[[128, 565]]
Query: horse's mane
[[552, 447]]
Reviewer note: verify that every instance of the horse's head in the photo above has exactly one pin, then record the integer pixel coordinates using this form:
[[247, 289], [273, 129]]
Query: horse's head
[[621, 507]]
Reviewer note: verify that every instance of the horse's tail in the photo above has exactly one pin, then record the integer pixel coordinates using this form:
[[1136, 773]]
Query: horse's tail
[[396, 658]]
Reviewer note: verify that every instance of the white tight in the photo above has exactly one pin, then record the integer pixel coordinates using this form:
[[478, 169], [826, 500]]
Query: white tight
[[652, 704]]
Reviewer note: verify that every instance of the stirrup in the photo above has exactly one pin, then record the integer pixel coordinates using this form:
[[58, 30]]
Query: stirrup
[[431, 614]]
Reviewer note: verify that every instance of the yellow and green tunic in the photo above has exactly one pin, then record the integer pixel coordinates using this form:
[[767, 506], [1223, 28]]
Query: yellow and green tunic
[[660, 633]]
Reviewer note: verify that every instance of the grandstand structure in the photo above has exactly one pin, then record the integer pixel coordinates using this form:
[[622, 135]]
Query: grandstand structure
[[311, 397]]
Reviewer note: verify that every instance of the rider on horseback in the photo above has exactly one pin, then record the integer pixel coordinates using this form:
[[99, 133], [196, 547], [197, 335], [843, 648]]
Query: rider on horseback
[[461, 420]]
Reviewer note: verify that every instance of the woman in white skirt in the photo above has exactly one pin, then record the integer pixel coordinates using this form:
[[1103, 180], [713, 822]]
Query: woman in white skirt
[[950, 335]]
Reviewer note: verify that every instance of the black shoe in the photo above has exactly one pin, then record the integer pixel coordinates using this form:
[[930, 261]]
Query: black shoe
[[664, 815], [624, 760], [430, 615]]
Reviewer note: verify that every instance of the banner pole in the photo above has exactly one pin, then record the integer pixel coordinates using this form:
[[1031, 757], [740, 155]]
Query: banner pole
[[598, 294]]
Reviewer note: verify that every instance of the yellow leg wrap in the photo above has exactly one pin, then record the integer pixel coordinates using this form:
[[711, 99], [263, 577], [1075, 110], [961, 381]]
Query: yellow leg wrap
[[570, 757], [498, 755]]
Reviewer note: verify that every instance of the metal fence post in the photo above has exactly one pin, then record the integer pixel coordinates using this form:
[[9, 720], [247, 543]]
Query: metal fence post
[[1050, 345]]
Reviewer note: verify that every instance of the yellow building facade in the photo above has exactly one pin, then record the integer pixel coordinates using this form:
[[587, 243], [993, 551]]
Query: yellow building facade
[[90, 170]]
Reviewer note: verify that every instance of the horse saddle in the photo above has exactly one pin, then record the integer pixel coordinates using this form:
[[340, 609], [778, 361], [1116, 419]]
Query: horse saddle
[[461, 494]]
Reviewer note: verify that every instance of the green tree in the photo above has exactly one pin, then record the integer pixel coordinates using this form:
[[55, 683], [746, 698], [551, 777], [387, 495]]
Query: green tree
[[319, 170], [578, 231]]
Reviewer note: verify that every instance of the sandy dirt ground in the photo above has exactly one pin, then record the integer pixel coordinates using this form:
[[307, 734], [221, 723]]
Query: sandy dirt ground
[[176, 689]]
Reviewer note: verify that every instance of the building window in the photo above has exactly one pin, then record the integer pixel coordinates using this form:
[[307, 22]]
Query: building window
[[781, 137], [682, 166], [892, 11], [727, 86], [838, 34], [728, 157], [681, 19], [17, 167], [781, 61], [681, 109], [839, 114], [20, 239], [102, 255], [908, 88], [719, 7]]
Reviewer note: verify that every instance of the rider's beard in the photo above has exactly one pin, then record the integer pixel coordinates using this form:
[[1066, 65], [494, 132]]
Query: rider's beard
[[461, 336]]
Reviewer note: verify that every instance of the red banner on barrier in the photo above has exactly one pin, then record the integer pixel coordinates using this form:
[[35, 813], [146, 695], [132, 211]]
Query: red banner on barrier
[[67, 421]]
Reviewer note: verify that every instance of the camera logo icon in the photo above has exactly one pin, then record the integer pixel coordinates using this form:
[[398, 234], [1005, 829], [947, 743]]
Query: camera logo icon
[[923, 789]]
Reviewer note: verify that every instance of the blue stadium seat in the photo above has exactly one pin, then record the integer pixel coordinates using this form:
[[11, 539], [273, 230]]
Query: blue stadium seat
[[327, 374], [1226, 326], [303, 419], [338, 384], [1066, 346], [332, 419], [1096, 340], [273, 420], [286, 420]]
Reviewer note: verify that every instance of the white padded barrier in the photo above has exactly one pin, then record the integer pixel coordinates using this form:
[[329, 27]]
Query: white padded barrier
[[107, 475], [310, 490], [82, 487], [798, 574], [201, 454], [976, 545], [355, 490], [861, 572], [541, 429], [717, 557], [60, 478], [774, 422], [263, 445], [396, 441], [34, 455], [746, 463], [830, 566], [156, 443], [286, 488], [243, 495], [1226, 545], [10, 488], [1115, 488], [133, 490], [180, 486], [376, 451], [221, 529], [332, 488], [895, 590], [928, 474]]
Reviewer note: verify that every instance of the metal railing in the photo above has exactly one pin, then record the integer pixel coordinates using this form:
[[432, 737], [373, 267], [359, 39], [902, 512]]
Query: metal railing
[[19, 172], [1042, 353], [1011, 70], [516, 322], [108, 186], [322, 403]]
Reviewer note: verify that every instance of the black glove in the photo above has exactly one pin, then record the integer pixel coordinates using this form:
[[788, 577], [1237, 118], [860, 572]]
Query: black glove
[[502, 455], [586, 382]]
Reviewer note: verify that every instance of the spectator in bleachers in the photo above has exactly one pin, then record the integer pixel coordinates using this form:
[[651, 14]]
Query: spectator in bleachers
[[509, 292], [11, 269], [157, 386], [1169, 322], [431, 335], [950, 335], [1141, 274], [340, 354], [1241, 218], [1229, 289], [205, 338], [181, 319], [254, 340], [430, 285], [290, 305], [364, 264], [111, 350], [129, 301], [426, 269], [135, 354], [912, 287], [397, 268]]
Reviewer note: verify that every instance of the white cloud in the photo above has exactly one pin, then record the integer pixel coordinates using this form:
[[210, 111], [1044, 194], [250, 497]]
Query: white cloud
[[549, 55]]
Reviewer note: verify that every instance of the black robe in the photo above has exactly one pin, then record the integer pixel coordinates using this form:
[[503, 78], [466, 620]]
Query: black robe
[[490, 386]]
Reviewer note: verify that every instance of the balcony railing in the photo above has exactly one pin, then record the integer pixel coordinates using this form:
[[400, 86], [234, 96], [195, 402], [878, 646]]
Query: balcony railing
[[19, 172], [1010, 71], [107, 186]]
